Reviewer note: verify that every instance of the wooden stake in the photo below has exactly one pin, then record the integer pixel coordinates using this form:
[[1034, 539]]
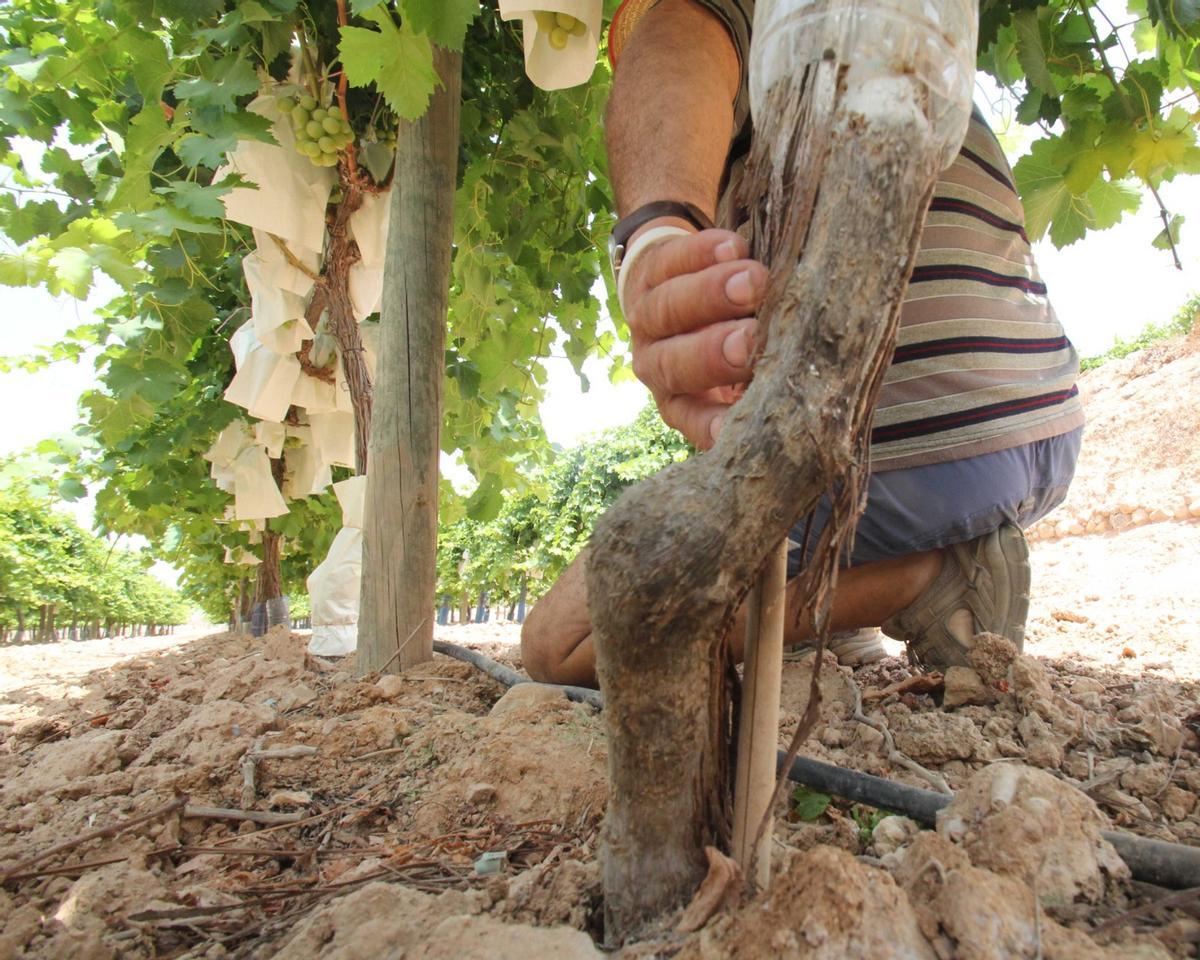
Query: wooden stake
[[758, 727]]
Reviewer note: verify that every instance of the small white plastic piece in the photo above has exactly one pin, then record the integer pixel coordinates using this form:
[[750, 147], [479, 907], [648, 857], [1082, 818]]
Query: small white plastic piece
[[641, 243]]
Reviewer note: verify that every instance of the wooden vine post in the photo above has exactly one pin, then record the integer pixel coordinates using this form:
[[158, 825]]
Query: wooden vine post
[[839, 180], [400, 528], [758, 720]]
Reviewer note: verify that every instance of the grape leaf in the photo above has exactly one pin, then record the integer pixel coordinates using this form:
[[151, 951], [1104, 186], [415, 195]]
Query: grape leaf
[[1181, 17], [1168, 236], [232, 77], [73, 270], [1031, 51], [150, 66], [485, 503], [1050, 206], [1160, 148], [24, 269], [147, 136], [71, 489], [1108, 201], [445, 22], [397, 60]]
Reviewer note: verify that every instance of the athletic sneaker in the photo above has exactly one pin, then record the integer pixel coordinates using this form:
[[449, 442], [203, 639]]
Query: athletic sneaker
[[983, 587], [853, 648]]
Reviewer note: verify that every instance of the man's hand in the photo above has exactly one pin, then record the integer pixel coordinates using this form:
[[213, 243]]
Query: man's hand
[[690, 304]]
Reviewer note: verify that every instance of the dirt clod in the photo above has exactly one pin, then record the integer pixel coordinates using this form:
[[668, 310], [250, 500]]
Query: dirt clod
[[824, 905], [964, 687], [1026, 824]]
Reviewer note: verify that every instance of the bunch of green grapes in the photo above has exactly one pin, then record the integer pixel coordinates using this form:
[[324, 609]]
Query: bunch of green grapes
[[320, 130], [559, 26]]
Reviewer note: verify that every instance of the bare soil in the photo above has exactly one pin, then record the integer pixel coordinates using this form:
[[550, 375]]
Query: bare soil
[[410, 781]]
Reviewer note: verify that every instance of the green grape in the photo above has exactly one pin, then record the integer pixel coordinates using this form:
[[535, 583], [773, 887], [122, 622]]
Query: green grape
[[327, 145], [564, 20], [558, 38], [319, 114], [343, 139], [545, 19], [308, 103], [579, 29], [328, 160], [300, 115], [310, 148], [332, 124], [314, 129], [285, 105]]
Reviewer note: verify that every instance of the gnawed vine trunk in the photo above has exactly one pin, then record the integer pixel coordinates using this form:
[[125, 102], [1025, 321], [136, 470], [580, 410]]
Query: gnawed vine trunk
[[400, 529], [838, 187]]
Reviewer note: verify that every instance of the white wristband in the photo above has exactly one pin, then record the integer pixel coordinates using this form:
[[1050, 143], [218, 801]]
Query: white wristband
[[643, 241]]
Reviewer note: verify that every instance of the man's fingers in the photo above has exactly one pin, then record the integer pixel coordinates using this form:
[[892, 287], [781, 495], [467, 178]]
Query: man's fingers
[[718, 355], [690, 254], [724, 291], [696, 417]]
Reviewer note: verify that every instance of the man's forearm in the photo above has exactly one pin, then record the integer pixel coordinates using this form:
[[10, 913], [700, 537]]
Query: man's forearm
[[670, 117]]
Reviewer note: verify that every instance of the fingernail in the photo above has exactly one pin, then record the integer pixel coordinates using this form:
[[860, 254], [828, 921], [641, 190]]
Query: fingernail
[[736, 349], [740, 289], [726, 251], [714, 429]]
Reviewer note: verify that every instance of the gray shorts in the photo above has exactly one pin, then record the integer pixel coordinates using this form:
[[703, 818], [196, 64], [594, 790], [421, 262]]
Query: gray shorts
[[923, 508]]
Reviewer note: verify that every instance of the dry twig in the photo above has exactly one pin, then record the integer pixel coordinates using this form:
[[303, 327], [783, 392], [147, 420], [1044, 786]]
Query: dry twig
[[919, 684], [1172, 900], [253, 816], [894, 755], [104, 832]]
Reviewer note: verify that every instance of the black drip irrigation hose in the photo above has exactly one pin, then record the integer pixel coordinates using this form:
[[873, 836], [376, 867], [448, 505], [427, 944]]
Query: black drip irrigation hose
[[1150, 861], [510, 678]]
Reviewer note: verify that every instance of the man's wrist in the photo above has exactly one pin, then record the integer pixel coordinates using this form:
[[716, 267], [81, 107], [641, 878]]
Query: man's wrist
[[623, 229]]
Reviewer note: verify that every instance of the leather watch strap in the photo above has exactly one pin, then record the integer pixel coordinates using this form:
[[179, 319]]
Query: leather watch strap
[[627, 226]]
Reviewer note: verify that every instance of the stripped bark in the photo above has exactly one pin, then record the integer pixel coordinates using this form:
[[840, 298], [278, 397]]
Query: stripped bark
[[269, 583], [341, 254], [673, 559], [400, 528]]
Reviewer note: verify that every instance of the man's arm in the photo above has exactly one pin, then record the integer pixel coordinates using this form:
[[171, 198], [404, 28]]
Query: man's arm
[[689, 301], [670, 116]]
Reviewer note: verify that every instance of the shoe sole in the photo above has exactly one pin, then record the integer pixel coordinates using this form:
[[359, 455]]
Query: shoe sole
[[1007, 558], [1013, 552]]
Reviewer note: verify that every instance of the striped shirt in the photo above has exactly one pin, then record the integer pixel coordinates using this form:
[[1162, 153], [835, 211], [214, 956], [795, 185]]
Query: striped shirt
[[981, 362]]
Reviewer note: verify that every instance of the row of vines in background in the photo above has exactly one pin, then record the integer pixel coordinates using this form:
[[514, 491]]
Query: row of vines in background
[[535, 535], [59, 581]]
